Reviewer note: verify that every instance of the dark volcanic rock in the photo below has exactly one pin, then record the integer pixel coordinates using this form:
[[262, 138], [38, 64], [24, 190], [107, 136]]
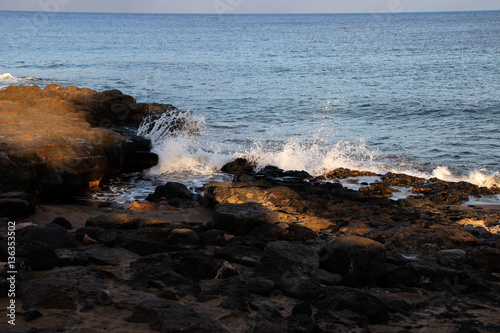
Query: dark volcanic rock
[[359, 260], [114, 221], [63, 222], [342, 173], [239, 166], [236, 218], [171, 190], [17, 204], [40, 255], [51, 234], [181, 270], [286, 264], [139, 155], [65, 289], [167, 316], [241, 254]]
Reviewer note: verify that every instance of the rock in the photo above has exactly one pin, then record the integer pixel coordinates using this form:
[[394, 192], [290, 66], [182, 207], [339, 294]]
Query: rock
[[17, 204], [242, 218], [168, 316], [300, 233], [181, 270], [63, 222], [183, 236], [380, 190], [105, 297], [139, 155], [58, 140], [145, 206], [104, 256], [342, 173], [114, 221], [241, 254], [286, 264], [92, 232], [259, 286], [64, 289], [239, 166], [451, 257], [359, 260], [450, 193], [142, 245], [51, 234], [213, 237], [171, 190], [327, 278], [40, 255], [32, 314]]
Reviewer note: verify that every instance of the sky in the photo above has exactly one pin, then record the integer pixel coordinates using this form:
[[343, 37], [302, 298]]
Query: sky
[[249, 6]]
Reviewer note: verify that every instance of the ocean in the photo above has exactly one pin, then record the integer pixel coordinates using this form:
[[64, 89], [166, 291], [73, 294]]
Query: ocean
[[416, 93]]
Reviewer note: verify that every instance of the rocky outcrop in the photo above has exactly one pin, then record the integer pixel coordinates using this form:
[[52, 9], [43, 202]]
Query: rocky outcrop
[[281, 254], [61, 140]]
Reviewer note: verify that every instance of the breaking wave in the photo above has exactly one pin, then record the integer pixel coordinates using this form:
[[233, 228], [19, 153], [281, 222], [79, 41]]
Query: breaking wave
[[192, 156], [8, 79]]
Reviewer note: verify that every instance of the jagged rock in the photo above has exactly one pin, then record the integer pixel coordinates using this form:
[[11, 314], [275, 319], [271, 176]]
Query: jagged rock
[[51, 234], [287, 264], [168, 316], [239, 166], [58, 140], [139, 155], [171, 190], [114, 221], [451, 257], [17, 204], [39, 255], [358, 260], [142, 245], [181, 270], [380, 190], [341, 173], [242, 218], [64, 289], [241, 254], [102, 255]]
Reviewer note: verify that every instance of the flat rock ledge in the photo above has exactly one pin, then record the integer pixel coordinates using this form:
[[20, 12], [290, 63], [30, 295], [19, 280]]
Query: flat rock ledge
[[59, 141]]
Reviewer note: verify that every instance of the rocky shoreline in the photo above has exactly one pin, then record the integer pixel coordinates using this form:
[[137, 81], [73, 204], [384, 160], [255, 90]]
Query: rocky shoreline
[[270, 251]]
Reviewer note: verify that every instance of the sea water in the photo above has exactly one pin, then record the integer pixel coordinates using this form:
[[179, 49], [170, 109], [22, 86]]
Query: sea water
[[417, 93]]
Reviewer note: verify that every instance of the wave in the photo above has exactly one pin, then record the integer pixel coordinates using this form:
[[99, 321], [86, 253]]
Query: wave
[[8, 79], [194, 157]]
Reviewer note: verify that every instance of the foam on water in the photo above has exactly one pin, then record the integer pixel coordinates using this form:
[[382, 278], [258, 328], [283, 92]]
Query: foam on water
[[189, 157], [8, 79]]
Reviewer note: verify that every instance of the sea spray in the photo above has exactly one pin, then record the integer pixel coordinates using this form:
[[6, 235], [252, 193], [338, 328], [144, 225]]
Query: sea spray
[[188, 153]]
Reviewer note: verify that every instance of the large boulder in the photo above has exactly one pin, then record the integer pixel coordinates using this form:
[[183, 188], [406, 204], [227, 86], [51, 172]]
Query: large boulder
[[61, 140], [359, 260], [287, 264], [64, 289], [17, 204], [242, 218]]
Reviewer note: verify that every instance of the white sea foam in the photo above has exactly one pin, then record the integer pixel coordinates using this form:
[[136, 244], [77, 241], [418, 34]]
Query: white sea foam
[[8, 79], [477, 177], [191, 157]]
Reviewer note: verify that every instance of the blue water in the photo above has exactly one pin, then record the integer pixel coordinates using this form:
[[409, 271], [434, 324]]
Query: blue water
[[416, 93]]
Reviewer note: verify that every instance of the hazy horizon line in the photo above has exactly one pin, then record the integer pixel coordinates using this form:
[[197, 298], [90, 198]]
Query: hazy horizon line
[[253, 13]]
